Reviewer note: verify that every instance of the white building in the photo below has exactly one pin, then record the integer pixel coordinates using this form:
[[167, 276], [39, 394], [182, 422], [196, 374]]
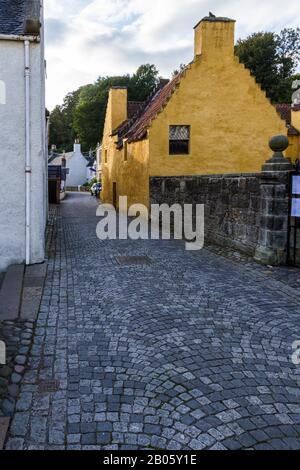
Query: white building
[[99, 162], [91, 169], [76, 165], [23, 162]]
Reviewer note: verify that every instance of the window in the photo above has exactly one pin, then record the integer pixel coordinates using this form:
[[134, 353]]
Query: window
[[105, 156], [179, 140]]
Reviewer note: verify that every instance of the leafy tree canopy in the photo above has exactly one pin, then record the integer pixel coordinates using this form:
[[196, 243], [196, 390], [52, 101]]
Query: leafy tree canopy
[[273, 59], [82, 113]]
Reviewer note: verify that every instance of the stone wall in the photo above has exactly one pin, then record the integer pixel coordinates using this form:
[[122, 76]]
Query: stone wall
[[247, 212]]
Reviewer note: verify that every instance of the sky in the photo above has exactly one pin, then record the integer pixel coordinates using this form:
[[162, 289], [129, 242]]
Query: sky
[[86, 39]]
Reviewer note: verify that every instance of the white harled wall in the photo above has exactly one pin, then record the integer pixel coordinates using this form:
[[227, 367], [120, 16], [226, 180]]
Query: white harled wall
[[12, 154], [77, 165]]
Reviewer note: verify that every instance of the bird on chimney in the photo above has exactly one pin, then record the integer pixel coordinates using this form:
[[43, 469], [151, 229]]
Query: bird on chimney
[[211, 15]]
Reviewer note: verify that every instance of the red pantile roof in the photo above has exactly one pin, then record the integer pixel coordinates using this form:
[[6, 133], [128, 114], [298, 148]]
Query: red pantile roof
[[285, 112], [136, 128], [133, 107]]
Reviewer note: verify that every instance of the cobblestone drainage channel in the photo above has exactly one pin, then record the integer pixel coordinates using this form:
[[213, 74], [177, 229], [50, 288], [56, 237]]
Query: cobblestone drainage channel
[[133, 260]]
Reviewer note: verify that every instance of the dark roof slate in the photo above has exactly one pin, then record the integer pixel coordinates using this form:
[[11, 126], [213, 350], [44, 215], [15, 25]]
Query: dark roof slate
[[16, 16]]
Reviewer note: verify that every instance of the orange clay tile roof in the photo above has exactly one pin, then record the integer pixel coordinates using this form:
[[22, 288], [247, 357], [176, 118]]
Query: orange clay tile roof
[[285, 112], [133, 107], [136, 128]]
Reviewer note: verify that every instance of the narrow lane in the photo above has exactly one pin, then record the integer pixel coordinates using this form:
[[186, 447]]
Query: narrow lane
[[188, 351]]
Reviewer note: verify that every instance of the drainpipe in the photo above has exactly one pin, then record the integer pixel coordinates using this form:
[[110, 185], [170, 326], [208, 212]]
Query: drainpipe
[[27, 153], [34, 36]]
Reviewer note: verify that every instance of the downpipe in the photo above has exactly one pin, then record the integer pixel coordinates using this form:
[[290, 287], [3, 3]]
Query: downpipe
[[27, 154]]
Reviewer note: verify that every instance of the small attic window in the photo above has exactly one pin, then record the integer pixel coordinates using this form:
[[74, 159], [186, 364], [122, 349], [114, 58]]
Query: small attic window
[[179, 140]]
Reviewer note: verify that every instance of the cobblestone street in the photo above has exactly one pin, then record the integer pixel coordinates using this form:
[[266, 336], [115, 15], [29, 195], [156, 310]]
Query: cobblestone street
[[187, 351]]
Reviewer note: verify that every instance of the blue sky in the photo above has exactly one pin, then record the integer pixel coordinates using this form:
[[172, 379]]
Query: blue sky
[[89, 38]]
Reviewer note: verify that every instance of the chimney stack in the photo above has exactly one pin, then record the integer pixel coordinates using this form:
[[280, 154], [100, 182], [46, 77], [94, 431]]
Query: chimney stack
[[117, 106], [77, 146], [214, 36]]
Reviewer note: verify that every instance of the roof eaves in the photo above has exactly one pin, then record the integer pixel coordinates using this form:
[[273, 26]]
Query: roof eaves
[[155, 106], [293, 131]]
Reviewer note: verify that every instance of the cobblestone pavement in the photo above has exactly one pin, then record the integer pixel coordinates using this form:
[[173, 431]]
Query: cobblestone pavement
[[17, 337], [190, 351]]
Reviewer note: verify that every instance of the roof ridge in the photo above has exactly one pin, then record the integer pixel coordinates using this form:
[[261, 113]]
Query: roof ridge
[[135, 128]]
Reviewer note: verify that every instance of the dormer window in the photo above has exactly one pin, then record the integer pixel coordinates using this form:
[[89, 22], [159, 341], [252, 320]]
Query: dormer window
[[179, 140]]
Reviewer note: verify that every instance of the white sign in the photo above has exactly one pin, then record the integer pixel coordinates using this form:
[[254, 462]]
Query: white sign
[[296, 185], [295, 207], [2, 92]]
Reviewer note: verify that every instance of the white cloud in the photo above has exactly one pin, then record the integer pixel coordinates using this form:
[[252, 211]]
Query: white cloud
[[89, 38]]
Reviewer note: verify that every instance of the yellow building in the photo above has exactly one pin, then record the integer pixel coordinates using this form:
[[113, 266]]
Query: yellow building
[[291, 115], [212, 118]]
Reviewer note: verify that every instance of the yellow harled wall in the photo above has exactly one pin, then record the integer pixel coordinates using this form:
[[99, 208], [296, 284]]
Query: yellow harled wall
[[131, 172], [293, 151], [230, 117]]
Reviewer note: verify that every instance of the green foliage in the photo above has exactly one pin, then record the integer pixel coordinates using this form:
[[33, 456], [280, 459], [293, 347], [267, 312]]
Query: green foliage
[[272, 59], [62, 133], [93, 181], [143, 82], [82, 114], [88, 185]]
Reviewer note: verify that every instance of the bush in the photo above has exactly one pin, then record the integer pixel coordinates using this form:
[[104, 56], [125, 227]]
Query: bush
[[88, 185]]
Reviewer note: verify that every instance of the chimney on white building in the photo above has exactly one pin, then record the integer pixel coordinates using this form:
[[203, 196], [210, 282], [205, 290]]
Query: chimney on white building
[[77, 146]]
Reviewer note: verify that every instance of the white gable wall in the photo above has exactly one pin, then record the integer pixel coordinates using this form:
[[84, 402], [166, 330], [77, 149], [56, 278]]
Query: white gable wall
[[12, 154], [77, 165]]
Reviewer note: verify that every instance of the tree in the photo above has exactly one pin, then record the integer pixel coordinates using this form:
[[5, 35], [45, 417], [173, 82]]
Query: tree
[[143, 82], [62, 132], [82, 114], [272, 58]]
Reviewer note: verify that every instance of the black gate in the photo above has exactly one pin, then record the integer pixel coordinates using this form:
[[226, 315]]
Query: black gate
[[294, 218]]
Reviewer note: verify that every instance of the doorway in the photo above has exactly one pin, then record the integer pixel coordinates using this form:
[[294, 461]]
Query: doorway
[[115, 195]]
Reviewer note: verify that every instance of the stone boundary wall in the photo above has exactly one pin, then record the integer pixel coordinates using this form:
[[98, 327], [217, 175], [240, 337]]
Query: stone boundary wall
[[246, 212]]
